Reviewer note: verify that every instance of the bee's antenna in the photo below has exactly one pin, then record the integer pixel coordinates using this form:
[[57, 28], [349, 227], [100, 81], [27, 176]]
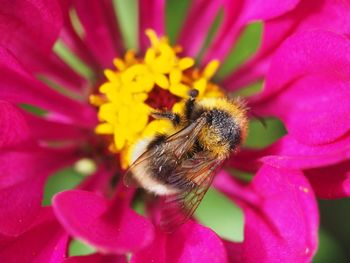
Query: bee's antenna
[[190, 103]]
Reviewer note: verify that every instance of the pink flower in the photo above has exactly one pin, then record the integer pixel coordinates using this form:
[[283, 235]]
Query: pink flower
[[303, 61], [44, 241]]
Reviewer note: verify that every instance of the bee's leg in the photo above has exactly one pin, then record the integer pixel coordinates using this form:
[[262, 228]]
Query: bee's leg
[[190, 103], [168, 115]]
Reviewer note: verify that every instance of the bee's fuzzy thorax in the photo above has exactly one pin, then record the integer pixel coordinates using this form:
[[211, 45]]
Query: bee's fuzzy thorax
[[226, 126], [235, 108]]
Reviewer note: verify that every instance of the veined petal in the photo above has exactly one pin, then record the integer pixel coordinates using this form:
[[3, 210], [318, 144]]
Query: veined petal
[[331, 182], [234, 251], [98, 182], [108, 225], [22, 177], [73, 41], [196, 27], [281, 218], [29, 27], [18, 86], [312, 69], [198, 244], [250, 72], [325, 165], [14, 128], [291, 153], [44, 242], [56, 70], [96, 258], [329, 15], [308, 53], [237, 15], [314, 109], [45, 128], [108, 11], [151, 14], [265, 10], [102, 35]]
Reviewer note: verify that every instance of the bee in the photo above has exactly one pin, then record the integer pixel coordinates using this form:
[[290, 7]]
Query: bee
[[181, 166]]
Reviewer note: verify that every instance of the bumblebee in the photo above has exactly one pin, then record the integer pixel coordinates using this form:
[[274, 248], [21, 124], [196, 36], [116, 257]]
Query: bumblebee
[[181, 166]]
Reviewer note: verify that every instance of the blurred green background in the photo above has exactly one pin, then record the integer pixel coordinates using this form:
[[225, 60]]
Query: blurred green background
[[215, 211]]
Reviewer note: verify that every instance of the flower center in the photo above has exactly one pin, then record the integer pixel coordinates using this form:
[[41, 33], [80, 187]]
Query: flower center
[[161, 79]]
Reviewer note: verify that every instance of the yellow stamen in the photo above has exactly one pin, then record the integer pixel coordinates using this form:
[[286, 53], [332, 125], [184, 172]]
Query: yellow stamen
[[211, 69], [96, 100], [123, 111]]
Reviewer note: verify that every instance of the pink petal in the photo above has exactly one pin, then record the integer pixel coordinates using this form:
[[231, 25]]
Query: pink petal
[[228, 32], [234, 251], [14, 128], [247, 159], [196, 28], [265, 10], [237, 15], [307, 53], [102, 36], [331, 182], [56, 70], [330, 96], [73, 41], [29, 27], [20, 204], [190, 243], [23, 129], [43, 128], [151, 15], [326, 164], [109, 225], [328, 14], [44, 242], [281, 222], [112, 23], [290, 153], [331, 15], [250, 72], [96, 258], [99, 182], [18, 86], [22, 177], [313, 70]]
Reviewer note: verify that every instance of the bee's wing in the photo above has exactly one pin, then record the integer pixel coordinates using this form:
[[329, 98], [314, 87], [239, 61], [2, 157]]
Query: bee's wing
[[179, 143], [178, 208], [175, 146]]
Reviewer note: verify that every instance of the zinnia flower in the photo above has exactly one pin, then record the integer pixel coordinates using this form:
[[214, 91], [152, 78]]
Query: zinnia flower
[[53, 117]]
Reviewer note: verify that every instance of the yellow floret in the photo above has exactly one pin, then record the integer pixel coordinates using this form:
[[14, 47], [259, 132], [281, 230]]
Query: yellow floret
[[122, 109]]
